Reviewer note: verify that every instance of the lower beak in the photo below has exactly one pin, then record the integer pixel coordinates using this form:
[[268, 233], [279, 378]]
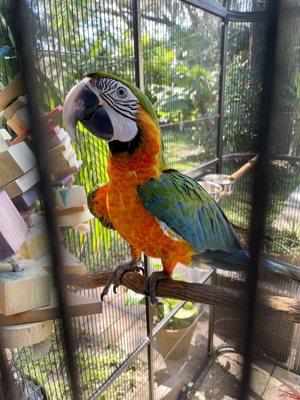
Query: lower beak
[[82, 105]]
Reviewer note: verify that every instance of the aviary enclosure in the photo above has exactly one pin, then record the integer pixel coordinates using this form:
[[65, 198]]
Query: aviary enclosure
[[224, 77]]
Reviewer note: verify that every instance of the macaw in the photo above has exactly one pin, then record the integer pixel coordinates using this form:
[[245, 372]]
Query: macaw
[[157, 210]]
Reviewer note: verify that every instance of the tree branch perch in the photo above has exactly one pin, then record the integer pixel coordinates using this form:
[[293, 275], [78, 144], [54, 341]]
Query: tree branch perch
[[276, 306]]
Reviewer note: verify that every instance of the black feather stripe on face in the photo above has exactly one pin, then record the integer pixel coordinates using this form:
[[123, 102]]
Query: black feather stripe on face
[[108, 89], [115, 146], [126, 113]]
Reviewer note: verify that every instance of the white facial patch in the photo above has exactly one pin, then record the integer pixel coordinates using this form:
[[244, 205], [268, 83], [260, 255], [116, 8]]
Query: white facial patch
[[125, 129]]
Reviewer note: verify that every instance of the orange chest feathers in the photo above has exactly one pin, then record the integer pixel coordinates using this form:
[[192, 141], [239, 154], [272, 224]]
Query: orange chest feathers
[[141, 229], [133, 222]]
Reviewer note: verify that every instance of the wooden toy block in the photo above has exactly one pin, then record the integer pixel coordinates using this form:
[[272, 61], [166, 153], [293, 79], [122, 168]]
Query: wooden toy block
[[63, 156], [60, 174], [78, 305], [24, 290], [19, 336], [20, 138], [67, 211], [70, 263], [3, 144], [26, 201], [15, 161], [64, 145], [74, 219], [4, 140], [60, 162], [9, 111], [5, 135], [69, 197], [20, 122], [52, 114], [36, 243], [66, 180], [55, 139], [11, 92], [22, 184], [38, 219], [13, 229], [50, 128], [65, 159]]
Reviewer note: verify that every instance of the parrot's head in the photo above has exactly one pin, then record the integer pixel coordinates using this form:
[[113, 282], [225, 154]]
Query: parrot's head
[[109, 108]]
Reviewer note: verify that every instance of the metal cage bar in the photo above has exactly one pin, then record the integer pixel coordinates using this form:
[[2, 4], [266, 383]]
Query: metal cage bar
[[259, 196], [220, 128], [23, 40], [222, 11], [139, 77], [7, 388], [23, 43]]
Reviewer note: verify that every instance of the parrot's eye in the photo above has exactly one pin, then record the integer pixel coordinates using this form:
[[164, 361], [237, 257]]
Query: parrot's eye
[[121, 92]]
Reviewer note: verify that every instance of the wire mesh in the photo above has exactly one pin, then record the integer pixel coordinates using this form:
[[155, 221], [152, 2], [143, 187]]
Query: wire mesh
[[181, 69], [274, 338], [181, 47], [246, 5], [179, 353], [243, 70], [132, 384]]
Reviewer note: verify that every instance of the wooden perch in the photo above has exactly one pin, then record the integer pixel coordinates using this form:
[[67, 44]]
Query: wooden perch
[[79, 305], [245, 168], [276, 306], [272, 306]]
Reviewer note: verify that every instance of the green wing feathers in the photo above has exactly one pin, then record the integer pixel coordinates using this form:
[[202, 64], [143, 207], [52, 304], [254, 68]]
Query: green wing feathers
[[185, 207]]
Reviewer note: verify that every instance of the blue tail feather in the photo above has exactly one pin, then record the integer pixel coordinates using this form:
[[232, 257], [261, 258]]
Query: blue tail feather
[[239, 261]]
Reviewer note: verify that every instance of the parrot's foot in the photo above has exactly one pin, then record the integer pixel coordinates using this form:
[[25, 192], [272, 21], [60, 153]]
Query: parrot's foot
[[152, 282], [116, 275]]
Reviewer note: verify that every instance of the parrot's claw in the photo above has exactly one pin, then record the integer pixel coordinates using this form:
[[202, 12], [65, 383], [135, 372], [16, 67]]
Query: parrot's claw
[[116, 275], [152, 282]]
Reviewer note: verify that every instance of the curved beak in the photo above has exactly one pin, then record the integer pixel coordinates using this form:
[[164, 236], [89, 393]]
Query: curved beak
[[82, 104]]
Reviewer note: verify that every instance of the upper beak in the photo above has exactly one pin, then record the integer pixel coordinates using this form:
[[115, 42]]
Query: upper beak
[[82, 104]]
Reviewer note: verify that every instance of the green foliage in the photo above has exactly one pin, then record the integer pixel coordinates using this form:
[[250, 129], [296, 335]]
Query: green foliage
[[49, 371], [132, 298], [181, 88], [8, 65], [182, 319], [192, 96], [241, 110]]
